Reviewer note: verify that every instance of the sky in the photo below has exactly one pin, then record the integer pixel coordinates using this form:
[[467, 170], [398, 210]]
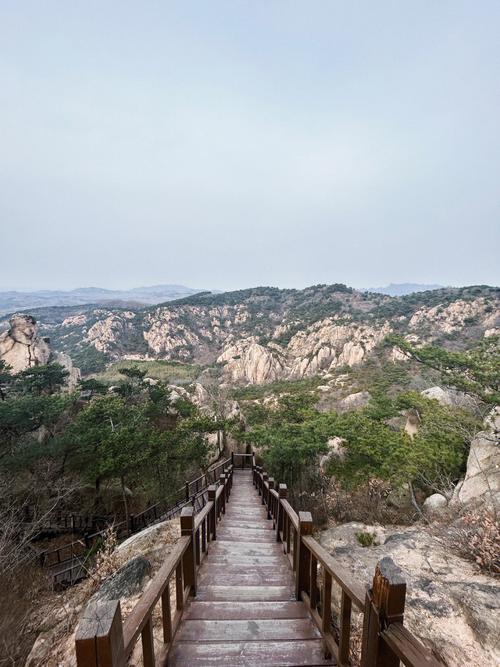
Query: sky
[[232, 144]]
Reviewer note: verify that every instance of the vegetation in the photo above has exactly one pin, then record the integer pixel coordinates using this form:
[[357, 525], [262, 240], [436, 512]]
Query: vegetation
[[293, 437], [475, 371], [55, 448], [173, 372]]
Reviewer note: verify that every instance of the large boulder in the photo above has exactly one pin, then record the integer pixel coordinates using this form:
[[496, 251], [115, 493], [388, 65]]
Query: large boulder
[[482, 477], [450, 397], [450, 606], [124, 583], [21, 347], [435, 504], [355, 401]]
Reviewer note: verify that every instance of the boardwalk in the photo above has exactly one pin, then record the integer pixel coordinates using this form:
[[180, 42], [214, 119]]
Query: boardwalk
[[245, 611], [229, 594]]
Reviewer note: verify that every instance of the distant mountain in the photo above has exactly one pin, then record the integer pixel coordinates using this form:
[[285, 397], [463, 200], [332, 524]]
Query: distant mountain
[[11, 301], [400, 289]]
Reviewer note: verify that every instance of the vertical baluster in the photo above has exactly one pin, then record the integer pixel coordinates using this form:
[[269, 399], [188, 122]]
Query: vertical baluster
[[148, 647], [345, 629], [166, 614], [314, 586], [327, 607], [204, 535], [270, 498], [179, 586], [303, 556], [189, 558], [280, 524]]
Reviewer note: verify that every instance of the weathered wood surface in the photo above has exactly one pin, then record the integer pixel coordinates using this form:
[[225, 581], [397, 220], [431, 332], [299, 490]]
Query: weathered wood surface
[[245, 611]]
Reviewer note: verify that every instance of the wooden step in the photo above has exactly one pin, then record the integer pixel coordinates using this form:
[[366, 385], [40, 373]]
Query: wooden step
[[241, 578], [234, 611], [245, 593], [249, 654], [248, 630]]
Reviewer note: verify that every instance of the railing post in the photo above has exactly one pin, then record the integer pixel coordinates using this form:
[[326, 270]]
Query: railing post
[[384, 604], [99, 636], [232, 458], [189, 558], [303, 556], [222, 479], [265, 477], [187, 491], [283, 494], [212, 490], [270, 498]]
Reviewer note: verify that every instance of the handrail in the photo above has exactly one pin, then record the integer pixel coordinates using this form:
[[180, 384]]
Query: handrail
[[152, 514], [142, 610], [406, 646], [354, 590], [101, 639], [382, 605]]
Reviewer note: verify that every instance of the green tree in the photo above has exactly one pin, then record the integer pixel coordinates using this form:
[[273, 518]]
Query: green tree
[[46, 379], [475, 371]]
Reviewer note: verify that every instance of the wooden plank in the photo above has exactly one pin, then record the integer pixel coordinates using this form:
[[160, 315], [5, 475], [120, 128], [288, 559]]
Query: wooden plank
[[239, 654], [225, 558], [249, 630], [240, 524], [408, 648], [248, 549], [229, 535], [277, 565], [245, 610], [246, 593], [253, 578]]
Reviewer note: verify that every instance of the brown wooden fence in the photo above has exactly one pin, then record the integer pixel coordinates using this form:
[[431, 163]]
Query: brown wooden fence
[[103, 640], [385, 640], [69, 562]]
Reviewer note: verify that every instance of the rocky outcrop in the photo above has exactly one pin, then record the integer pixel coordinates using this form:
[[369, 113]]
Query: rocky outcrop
[[355, 401], [106, 334], [247, 361], [124, 583], [450, 397], [453, 317], [435, 504], [329, 344], [21, 347], [449, 605], [482, 478], [265, 334]]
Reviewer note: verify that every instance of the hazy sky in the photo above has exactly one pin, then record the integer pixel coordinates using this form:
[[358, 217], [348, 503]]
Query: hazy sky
[[230, 144]]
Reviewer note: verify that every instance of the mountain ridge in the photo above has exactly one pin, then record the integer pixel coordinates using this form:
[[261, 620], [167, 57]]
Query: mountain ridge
[[265, 334]]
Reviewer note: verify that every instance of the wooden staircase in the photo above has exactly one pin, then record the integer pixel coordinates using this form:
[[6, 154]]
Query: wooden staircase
[[245, 611], [247, 584]]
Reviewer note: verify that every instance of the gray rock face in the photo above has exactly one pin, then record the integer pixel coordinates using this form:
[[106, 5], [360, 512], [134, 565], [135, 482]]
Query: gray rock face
[[354, 401], [435, 503], [124, 583], [482, 478], [450, 397], [450, 606], [20, 346]]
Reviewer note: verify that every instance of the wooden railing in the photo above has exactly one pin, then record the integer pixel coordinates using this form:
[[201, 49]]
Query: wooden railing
[[101, 637], [69, 560], [385, 641]]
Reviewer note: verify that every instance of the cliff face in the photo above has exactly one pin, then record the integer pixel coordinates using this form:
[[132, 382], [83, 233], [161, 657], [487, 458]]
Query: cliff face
[[265, 334], [21, 347]]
